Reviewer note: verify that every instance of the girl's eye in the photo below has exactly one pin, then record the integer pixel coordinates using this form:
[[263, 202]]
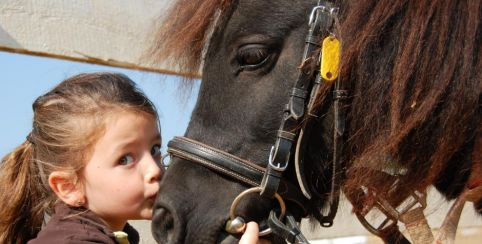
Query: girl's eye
[[126, 159], [156, 151]]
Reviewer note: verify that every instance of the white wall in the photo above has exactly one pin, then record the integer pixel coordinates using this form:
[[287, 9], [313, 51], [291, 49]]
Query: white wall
[[112, 32]]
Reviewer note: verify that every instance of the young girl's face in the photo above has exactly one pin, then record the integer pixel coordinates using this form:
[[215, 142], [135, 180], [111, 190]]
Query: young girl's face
[[121, 178]]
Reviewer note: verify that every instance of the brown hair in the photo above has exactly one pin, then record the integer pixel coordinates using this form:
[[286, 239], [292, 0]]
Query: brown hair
[[67, 121], [414, 70], [184, 31]]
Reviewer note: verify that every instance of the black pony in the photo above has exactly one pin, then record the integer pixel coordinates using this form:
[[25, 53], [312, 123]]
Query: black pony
[[412, 70]]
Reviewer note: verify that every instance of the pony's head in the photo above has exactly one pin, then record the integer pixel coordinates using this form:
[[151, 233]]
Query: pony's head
[[412, 108]]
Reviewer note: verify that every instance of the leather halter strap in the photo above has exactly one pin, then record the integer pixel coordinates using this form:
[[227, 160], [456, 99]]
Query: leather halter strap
[[217, 160], [321, 20], [232, 166]]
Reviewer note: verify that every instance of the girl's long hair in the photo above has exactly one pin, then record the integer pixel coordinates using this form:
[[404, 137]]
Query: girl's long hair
[[67, 122]]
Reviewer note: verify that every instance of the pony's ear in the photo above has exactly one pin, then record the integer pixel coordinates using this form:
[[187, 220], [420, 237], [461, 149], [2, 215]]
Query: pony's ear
[[65, 186]]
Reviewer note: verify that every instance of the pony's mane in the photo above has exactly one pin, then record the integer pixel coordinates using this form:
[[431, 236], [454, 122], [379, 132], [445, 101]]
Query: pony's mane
[[184, 30], [414, 68]]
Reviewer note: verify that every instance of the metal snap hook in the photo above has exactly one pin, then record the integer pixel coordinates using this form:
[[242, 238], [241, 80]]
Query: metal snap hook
[[236, 224], [331, 10], [313, 13]]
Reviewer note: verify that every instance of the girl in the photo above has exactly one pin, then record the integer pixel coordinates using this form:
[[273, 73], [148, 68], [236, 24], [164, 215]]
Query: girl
[[91, 162]]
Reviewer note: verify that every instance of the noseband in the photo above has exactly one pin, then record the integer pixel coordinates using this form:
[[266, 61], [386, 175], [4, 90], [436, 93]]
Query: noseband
[[289, 145]]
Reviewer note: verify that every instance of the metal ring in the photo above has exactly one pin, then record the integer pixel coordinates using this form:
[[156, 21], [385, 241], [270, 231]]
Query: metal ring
[[163, 158], [236, 201]]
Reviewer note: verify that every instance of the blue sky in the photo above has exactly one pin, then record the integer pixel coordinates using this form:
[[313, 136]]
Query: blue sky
[[25, 77]]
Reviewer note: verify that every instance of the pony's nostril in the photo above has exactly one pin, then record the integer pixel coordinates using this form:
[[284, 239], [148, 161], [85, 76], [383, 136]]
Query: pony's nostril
[[168, 221], [163, 226]]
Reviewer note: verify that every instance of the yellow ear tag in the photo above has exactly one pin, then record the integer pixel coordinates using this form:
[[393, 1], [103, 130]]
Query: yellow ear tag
[[330, 57]]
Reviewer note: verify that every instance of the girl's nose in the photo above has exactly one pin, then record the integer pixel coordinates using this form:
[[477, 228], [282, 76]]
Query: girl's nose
[[153, 170]]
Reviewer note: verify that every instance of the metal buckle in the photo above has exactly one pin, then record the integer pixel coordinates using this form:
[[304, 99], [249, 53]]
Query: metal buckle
[[392, 214], [271, 163]]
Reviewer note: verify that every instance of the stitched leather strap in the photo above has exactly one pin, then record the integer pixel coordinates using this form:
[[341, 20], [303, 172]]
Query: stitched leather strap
[[234, 167], [217, 160]]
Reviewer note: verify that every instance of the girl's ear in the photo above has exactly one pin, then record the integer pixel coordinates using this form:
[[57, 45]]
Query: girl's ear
[[65, 186]]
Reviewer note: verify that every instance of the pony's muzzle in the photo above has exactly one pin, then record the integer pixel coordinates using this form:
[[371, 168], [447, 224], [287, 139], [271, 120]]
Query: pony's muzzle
[[166, 225]]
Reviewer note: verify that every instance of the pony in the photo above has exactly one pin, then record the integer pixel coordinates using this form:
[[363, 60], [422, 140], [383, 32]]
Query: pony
[[412, 72]]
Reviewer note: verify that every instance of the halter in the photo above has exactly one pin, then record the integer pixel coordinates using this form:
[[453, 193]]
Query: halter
[[289, 142]]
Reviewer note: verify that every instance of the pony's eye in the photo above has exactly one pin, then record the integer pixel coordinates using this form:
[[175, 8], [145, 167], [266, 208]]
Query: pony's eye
[[252, 56], [156, 150], [126, 159]]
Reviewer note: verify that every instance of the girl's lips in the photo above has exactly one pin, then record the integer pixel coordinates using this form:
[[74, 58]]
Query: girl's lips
[[153, 197]]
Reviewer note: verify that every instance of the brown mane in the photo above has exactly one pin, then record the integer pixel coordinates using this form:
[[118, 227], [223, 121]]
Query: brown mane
[[417, 87], [183, 32]]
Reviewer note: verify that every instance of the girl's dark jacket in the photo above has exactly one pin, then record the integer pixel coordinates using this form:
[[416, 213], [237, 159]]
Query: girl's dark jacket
[[79, 226]]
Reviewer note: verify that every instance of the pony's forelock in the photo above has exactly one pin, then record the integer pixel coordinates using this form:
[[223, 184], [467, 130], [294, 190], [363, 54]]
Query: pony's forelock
[[183, 33]]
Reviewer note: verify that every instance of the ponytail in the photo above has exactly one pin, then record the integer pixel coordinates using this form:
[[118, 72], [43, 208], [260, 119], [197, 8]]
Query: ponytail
[[24, 197]]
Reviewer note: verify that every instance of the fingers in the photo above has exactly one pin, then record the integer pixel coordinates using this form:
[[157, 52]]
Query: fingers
[[250, 236]]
